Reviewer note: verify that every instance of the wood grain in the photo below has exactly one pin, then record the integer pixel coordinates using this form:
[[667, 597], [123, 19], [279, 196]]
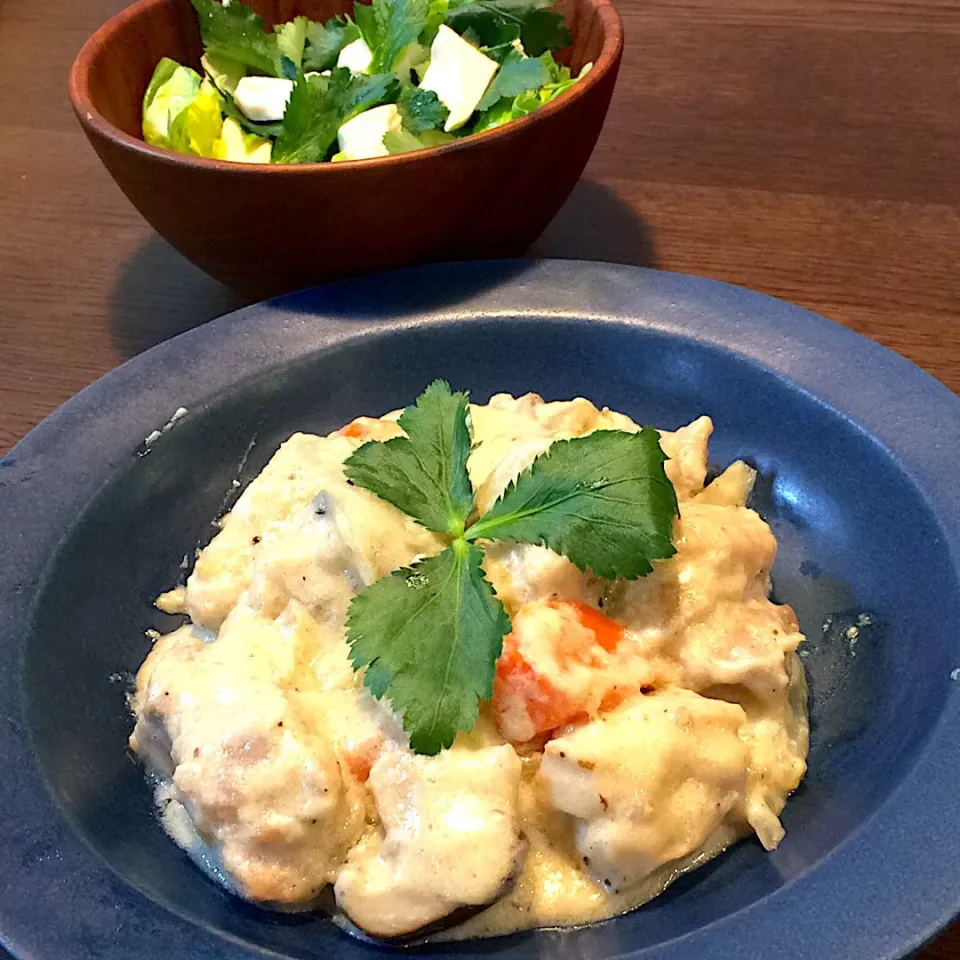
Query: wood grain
[[806, 148]]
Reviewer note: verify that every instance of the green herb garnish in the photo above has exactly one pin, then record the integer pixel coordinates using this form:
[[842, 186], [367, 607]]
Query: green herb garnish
[[320, 105], [388, 27], [325, 41], [496, 22], [516, 75], [237, 33], [429, 635]]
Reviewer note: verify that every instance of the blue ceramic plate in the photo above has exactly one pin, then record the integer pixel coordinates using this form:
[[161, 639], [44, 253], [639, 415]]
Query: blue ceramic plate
[[859, 453]]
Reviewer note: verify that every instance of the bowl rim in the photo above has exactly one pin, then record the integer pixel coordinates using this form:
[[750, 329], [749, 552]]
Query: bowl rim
[[850, 904], [95, 124]]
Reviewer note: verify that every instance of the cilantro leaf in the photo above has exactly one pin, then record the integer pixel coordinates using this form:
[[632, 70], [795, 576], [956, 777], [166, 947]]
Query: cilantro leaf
[[320, 105], [238, 33], [388, 27], [517, 74], [429, 637], [421, 110], [424, 474], [326, 40], [603, 501]]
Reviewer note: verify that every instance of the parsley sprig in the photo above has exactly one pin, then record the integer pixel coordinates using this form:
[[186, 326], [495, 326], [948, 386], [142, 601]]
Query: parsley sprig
[[429, 635]]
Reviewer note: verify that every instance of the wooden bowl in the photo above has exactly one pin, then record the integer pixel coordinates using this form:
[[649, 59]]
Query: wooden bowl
[[270, 228]]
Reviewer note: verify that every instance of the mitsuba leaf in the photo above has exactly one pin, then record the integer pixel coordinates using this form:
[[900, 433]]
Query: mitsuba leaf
[[388, 27], [429, 637], [236, 32], [324, 42], [544, 30], [494, 22], [517, 74], [320, 105], [603, 501], [424, 474], [291, 38]]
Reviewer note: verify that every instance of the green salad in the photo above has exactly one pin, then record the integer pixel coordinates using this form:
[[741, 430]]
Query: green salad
[[399, 75]]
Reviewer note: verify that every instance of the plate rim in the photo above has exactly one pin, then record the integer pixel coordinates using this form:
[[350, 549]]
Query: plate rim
[[789, 341]]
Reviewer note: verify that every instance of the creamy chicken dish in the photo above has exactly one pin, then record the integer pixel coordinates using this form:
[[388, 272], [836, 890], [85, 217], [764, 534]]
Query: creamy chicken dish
[[636, 729]]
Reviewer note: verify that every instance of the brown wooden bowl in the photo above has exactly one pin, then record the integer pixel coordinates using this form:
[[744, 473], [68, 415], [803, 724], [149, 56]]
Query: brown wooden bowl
[[270, 228]]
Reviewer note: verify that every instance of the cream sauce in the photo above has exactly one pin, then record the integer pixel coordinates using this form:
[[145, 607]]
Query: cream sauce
[[637, 729]]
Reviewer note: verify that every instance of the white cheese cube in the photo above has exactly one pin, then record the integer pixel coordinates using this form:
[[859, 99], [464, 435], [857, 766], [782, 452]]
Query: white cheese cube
[[356, 57], [362, 137], [263, 98], [459, 75]]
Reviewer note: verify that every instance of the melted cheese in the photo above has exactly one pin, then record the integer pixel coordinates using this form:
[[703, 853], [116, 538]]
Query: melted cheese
[[281, 775]]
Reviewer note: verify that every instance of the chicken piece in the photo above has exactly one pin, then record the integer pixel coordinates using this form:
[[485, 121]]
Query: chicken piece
[[300, 530], [257, 774], [777, 736], [707, 606], [731, 635], [686, 451], [509, 434], [562, 661], [524, 572], [732, 488], [648, 782], [740, 645], [450, 839]]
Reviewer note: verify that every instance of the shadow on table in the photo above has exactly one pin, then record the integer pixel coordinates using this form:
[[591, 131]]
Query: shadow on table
[[158, 294], [595, 224]]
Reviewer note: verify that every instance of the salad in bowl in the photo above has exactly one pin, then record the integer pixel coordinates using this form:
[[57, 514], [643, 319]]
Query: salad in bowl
[[396, 76]]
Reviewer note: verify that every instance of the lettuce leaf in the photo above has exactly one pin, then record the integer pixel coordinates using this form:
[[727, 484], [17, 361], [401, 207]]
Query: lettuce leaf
[[240, 147], [403, 141], [171, 89], [197, 128], [506, 110], [223, 72]]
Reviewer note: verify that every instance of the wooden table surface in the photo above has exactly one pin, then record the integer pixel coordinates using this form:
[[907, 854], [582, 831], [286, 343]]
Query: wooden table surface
[[806, 148]]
